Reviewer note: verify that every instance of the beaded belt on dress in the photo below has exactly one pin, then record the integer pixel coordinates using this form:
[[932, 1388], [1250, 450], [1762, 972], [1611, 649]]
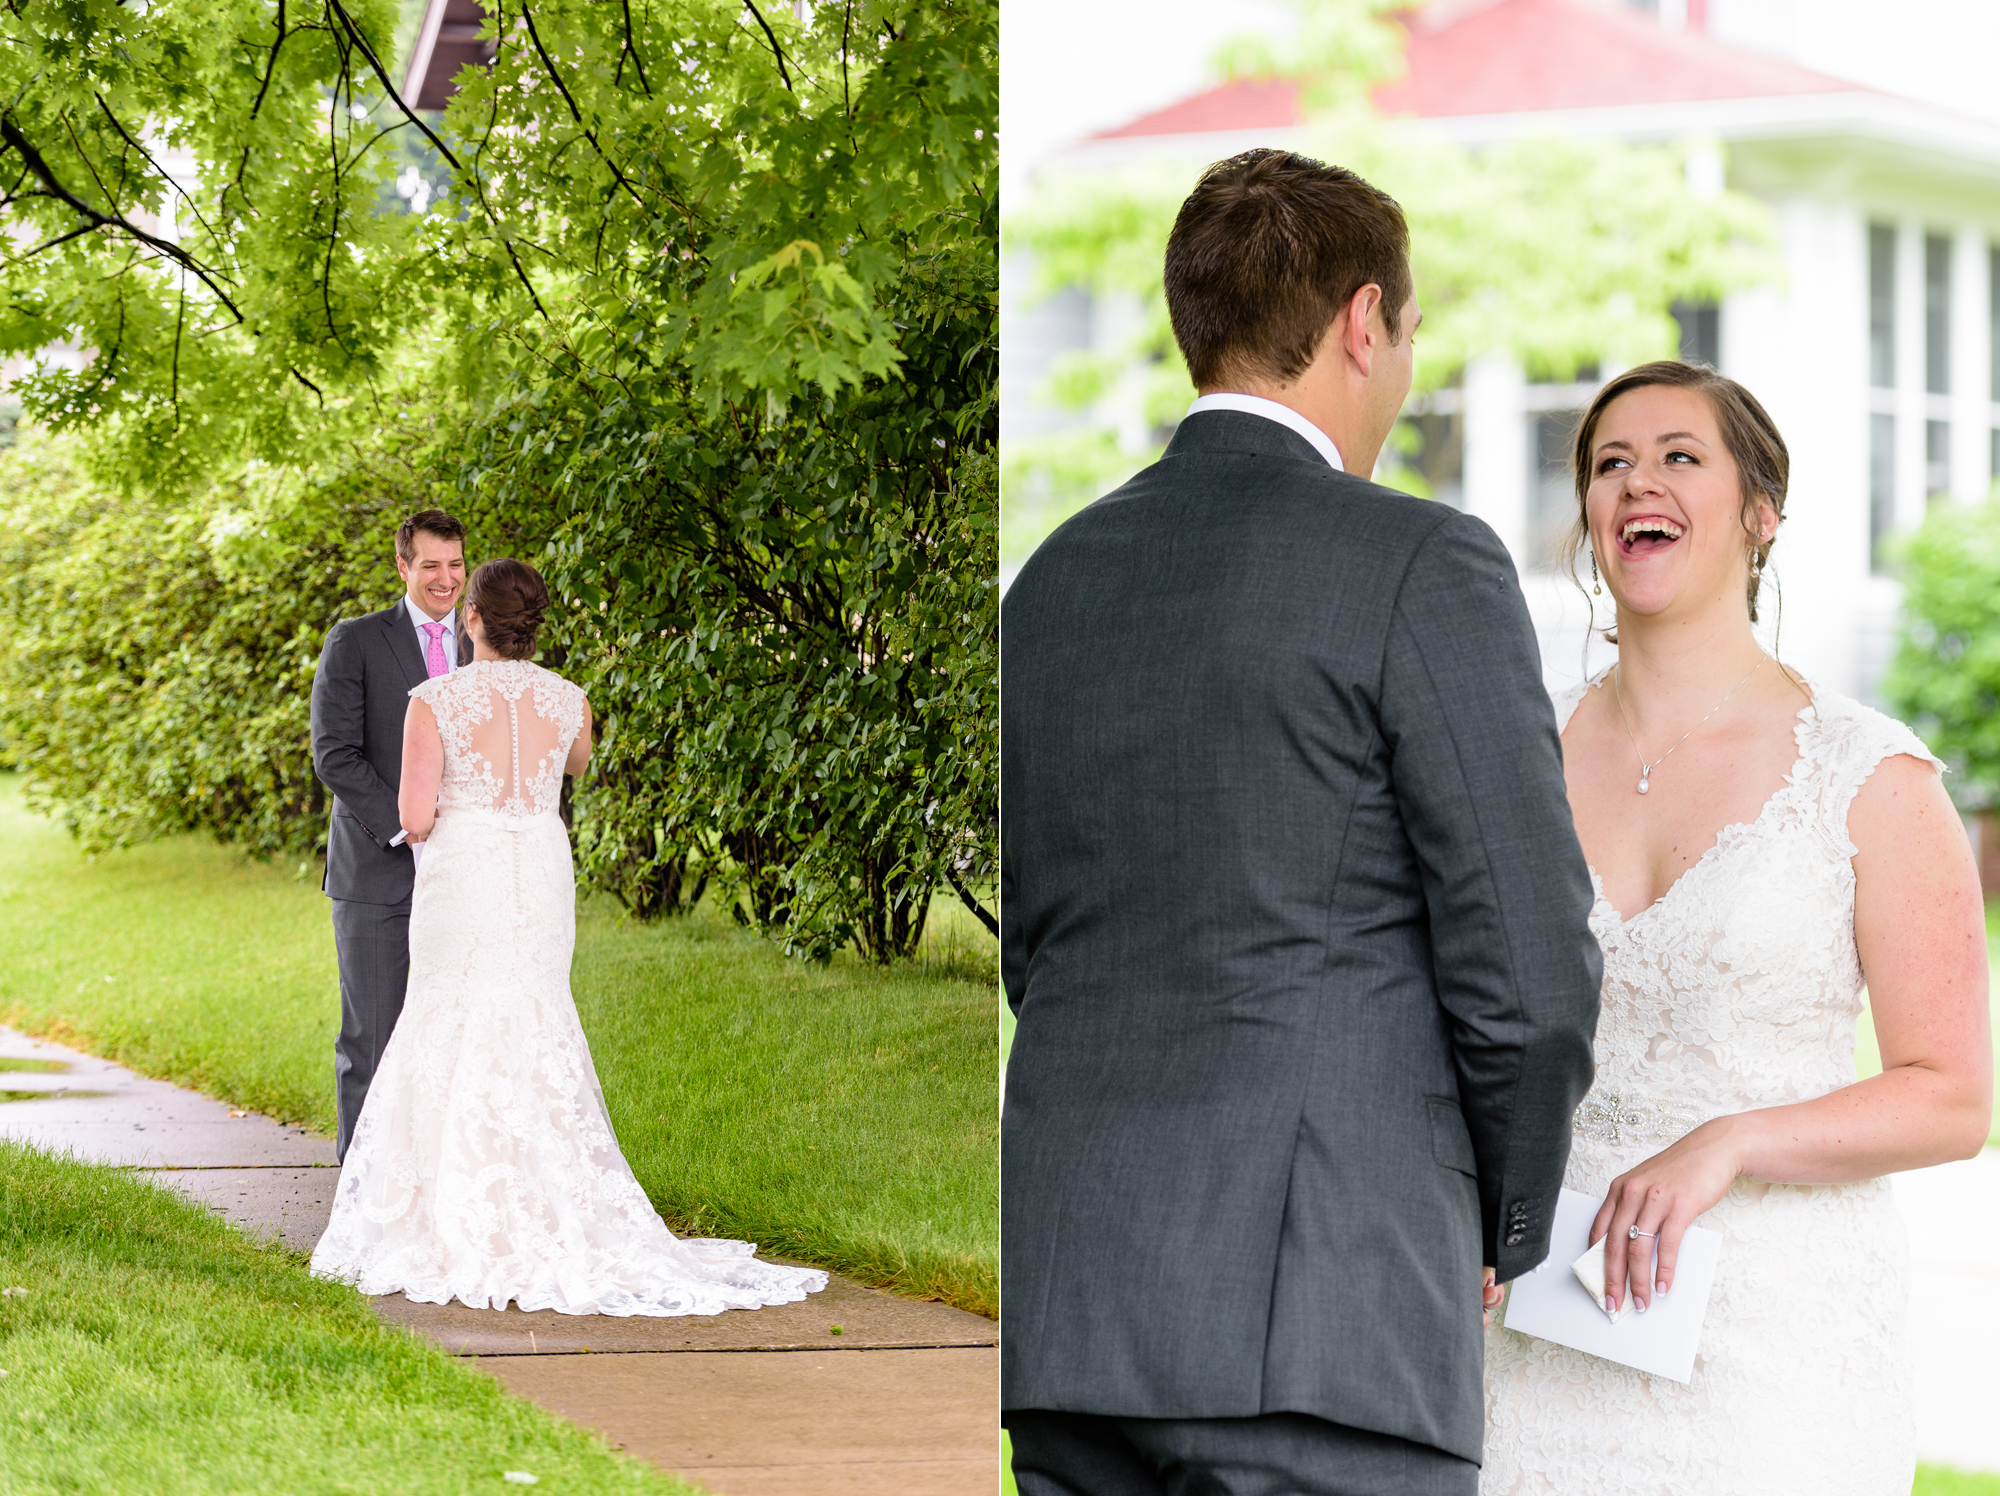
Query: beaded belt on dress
[[495, 818], [1614, 1116]]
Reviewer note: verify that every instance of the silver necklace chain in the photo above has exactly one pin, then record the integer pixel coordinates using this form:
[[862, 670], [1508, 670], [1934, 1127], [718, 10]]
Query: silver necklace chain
[[1646, 769]]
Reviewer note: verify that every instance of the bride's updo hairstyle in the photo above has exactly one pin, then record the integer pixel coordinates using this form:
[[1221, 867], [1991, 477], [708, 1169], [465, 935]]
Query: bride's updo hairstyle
[[1747, 430], [511, 598]]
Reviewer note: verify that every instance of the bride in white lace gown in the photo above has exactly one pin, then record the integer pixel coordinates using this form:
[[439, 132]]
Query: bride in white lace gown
[[1774, 841], [483, 1167]]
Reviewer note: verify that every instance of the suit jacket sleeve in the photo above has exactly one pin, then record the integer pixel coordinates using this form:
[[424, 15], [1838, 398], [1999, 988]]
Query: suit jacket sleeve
[[1013, 940], [339, 712], [1477, 765]]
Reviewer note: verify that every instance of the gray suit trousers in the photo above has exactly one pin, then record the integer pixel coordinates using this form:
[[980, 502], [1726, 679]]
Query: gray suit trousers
[[1277, 1454], [372, 942]]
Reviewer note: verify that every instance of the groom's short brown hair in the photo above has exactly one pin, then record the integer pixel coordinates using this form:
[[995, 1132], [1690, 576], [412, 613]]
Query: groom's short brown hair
[[431, 522], [1266, 251]]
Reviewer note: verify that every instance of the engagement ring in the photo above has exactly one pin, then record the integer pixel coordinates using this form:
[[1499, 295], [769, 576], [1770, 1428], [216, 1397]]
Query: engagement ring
[[1634, 1233]]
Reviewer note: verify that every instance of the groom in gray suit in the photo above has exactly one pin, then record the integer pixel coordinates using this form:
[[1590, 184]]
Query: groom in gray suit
[[360, 694], [1294, 919]]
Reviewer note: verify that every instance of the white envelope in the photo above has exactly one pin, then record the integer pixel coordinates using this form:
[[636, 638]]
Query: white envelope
[[1550, 1304]]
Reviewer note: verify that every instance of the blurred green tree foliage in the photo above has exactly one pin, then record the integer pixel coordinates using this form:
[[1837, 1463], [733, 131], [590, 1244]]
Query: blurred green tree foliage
[[699, 183], [1560, 252], [1945, 677], [700, 319], [157, 652], [789, 629]]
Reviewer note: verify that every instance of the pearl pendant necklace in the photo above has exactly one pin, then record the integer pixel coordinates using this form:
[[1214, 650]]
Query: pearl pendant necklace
[[1646, 769]]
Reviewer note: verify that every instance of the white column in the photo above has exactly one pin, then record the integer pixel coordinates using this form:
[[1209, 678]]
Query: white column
[[1496, 450], [1910, 401], [1971, 369], [1115, 320], [1801, 347]]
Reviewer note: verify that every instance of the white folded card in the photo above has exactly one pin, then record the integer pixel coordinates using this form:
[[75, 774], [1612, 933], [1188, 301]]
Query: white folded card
[[1551, 1303]]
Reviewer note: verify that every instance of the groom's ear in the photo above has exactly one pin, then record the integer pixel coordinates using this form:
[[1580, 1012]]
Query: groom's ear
[[1359, 328]]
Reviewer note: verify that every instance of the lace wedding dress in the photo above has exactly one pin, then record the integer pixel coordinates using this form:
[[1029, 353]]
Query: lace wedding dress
[[483, 1167], [1739, 989]]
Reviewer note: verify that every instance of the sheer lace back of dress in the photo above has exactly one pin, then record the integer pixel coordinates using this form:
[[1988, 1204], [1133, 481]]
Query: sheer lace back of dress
[[507, 727]]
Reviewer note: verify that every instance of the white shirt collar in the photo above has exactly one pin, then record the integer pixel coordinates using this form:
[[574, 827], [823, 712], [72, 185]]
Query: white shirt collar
[[450, 621], [419, 617], [1271, 410]]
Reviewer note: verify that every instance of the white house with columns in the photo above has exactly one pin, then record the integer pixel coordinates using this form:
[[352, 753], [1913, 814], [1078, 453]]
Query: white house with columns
[[1877, 351]]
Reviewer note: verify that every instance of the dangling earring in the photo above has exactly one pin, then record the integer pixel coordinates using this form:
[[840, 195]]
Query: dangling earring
[[1596, 587], [1756, 563]]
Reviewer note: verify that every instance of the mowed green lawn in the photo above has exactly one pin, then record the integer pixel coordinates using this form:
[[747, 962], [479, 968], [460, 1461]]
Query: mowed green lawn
[[843, 1115], [158, 1350]]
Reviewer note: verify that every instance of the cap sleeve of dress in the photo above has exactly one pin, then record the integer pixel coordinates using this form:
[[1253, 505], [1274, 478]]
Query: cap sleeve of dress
[[1849, 742], [1570, 698]]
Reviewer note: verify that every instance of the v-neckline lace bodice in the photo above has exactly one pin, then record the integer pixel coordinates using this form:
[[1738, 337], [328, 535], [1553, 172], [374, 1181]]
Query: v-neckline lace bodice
[[1801, 724], [1737, 989]]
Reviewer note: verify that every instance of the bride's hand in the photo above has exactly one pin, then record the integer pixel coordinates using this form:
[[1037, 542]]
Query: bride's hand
[[1663, 1196]]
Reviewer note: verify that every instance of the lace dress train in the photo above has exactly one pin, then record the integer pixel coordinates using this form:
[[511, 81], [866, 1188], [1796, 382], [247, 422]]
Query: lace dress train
[[1737, 990], [483, 1167]]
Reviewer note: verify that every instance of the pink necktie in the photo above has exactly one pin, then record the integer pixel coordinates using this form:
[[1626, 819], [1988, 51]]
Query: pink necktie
[[434, 656]]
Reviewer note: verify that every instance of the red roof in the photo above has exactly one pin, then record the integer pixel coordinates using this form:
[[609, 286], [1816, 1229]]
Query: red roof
[[1516, 56]]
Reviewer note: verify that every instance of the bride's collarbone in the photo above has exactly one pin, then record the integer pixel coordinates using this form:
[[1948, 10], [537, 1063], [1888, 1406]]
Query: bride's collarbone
[[1640, 844]]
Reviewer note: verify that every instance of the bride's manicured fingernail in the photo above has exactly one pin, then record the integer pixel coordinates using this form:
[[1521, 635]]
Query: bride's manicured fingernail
[[1642, 1305], [1660, 1289], [1610, 1304]]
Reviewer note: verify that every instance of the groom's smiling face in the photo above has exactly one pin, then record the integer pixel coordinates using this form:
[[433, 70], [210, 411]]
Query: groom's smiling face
[[436, 577]]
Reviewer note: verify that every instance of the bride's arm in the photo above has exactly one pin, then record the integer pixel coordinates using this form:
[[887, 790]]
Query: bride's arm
[[579, 751], [423, 769], [1920, 928]]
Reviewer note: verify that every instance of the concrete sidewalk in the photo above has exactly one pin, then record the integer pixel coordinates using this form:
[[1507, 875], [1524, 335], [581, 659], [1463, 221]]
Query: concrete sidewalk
[[904, 1398]]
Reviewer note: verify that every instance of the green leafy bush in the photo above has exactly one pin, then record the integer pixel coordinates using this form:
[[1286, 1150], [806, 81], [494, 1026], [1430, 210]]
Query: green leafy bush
[[786, 629], [157, 655], [1945, 678]]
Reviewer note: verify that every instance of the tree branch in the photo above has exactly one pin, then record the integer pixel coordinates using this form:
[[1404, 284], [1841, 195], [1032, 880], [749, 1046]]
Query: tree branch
[[256, 105], [32, 158], [632, 51], [75, 233], [382, 76], [270, 64], [180, 325], [147, 156], [771, 36], [563, 89]]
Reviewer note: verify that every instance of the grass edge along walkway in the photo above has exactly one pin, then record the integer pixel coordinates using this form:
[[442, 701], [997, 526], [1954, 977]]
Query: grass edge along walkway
[[159, 1350], [844, 1116]]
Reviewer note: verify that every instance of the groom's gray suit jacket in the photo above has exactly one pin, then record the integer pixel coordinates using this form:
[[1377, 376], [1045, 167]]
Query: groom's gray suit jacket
[[361, 692], [1294, 921]]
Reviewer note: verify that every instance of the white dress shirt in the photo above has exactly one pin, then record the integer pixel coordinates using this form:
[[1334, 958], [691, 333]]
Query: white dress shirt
[[418, 618], [1284, 415]]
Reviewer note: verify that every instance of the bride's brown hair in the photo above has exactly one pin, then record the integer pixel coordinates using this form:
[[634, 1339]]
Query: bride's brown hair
[[511, 598], [1762, 461]]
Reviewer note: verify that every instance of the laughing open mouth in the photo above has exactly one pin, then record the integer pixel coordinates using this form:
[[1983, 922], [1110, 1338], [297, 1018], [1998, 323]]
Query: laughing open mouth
[[1645, 534]]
